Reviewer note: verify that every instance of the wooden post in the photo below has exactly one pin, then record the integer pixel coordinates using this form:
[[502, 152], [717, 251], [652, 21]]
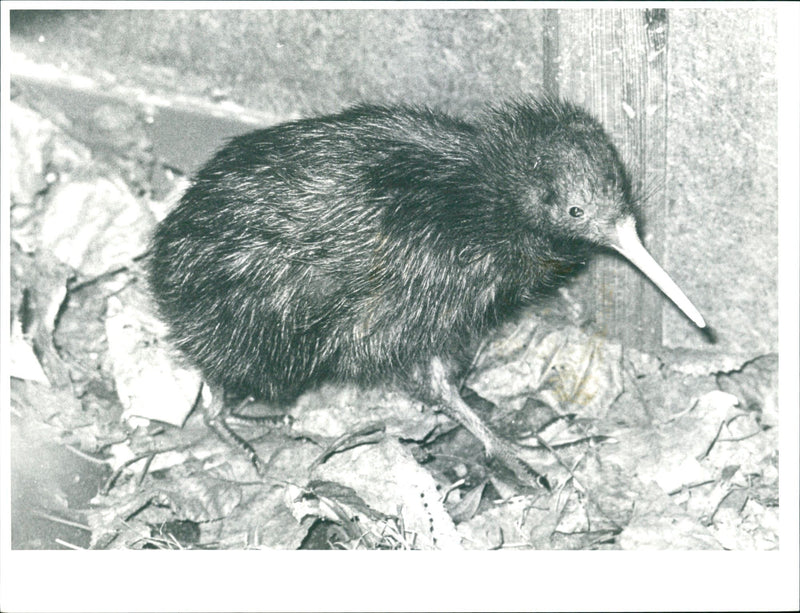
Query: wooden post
[[614, 63]]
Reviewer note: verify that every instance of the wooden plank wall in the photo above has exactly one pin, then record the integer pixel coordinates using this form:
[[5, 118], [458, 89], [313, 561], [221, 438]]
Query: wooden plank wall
[[614, 63]]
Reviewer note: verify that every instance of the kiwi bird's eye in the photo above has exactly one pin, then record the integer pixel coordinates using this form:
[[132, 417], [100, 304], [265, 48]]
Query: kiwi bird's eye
[[576, 211]]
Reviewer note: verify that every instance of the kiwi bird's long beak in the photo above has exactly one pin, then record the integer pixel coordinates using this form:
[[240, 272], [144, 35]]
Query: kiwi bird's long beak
[[627, 243]]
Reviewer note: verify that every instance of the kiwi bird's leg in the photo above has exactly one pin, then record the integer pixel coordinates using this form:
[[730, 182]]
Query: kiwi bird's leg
[[215, 416], [446, 394]]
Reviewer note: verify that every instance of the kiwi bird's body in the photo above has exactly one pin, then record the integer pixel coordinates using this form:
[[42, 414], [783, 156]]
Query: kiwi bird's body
[[381, 243]]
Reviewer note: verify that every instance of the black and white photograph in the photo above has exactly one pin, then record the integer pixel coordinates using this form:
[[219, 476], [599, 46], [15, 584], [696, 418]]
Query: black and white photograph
[[443, 277]]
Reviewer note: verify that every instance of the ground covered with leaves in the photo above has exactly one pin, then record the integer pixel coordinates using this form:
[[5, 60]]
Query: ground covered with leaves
[[110, 450]]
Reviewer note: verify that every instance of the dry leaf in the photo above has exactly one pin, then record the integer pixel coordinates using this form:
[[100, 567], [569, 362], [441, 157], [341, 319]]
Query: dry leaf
[[657, 523], [389, 480], [150, 378], [564, 367], [95, 224], [23, 363]]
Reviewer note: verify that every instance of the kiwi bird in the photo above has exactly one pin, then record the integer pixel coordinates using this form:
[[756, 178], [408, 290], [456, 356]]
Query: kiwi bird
[[382, 243]]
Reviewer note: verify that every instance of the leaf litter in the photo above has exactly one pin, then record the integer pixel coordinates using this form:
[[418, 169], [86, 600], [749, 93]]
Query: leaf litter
[[644, 451]]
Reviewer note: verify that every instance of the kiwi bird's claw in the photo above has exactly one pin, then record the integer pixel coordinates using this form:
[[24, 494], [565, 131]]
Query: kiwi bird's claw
[[542, 480], [514, 470]]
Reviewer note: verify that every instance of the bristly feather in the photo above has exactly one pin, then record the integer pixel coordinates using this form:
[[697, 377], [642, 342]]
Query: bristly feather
[[358, 246]]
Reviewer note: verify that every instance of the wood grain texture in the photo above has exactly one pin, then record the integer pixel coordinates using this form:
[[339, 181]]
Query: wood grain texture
[[614, 63]]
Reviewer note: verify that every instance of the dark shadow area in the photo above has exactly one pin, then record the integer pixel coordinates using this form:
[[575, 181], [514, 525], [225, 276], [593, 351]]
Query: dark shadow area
[[29, 23]]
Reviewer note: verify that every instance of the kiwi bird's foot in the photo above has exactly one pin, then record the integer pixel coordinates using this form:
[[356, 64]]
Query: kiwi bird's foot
[[217, 417], [511, 468], [503, 455], [226, 434]]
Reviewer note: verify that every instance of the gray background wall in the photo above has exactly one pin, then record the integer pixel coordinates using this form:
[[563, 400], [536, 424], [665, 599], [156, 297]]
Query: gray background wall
[[719, 222]]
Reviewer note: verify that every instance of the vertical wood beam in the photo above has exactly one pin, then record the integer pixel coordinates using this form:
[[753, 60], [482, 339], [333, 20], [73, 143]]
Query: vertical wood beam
[[613, 62]]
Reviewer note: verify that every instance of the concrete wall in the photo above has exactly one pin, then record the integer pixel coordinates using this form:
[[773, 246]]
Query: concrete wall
[[722, 171], [303, 62]]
